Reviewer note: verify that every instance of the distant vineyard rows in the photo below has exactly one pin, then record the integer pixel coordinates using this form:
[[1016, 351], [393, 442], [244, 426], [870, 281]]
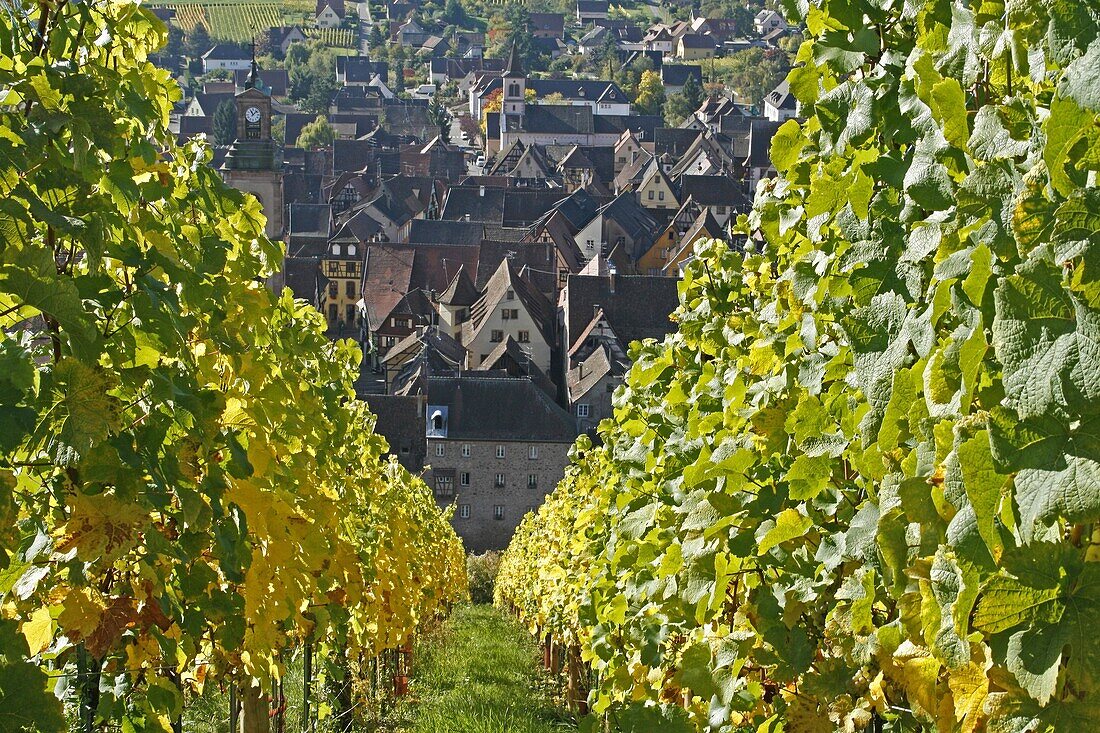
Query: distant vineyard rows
[[238, 21]]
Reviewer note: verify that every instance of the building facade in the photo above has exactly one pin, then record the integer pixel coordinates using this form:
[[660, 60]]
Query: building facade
[[496, 446]]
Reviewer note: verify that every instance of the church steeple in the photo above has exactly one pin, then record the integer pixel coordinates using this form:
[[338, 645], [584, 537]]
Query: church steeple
[[513, 99], [253, 81], [514, 67]]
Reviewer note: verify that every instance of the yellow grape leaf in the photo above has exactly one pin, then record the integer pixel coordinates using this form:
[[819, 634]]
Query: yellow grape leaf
[[39, 630], [100, 527], [80, 613], [969, 687], [806, 716], [916, 670]]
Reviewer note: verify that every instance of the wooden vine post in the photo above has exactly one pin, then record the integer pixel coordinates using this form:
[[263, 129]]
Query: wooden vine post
[[576, 692], [255, 710]]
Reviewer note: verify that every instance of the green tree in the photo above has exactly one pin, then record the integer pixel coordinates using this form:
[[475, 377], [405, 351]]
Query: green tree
[[651, 94], [198, 41], [316, 134], [684, 102], [437, 112], [225, 123], [455, 13], [753, 73]]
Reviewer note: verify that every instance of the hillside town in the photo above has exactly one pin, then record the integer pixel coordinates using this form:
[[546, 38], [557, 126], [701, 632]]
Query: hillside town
[[494, 214]]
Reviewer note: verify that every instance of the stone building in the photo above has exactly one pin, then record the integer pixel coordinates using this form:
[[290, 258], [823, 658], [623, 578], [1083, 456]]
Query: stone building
[[496, 446]]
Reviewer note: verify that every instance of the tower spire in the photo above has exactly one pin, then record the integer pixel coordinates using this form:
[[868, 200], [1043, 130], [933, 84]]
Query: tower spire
[[253, 81], [515, 67]]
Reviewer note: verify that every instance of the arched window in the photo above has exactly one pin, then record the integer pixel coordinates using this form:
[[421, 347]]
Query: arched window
[[513, 90], [336, 249], [351, 250]]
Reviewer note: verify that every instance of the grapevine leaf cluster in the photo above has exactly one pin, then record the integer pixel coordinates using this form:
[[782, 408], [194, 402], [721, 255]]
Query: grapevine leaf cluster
[[860, 487], [188, 488]]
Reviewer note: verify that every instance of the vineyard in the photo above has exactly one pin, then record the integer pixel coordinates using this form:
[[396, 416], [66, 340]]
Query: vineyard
[[191, 499], [859, 489], [227, 20], [334, 37]]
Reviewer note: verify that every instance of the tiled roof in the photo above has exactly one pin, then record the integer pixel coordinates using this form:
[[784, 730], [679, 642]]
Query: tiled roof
[[439, 231], [387, 273]]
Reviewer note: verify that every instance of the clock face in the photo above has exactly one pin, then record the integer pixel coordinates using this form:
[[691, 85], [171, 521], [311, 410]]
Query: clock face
[[252, 115]]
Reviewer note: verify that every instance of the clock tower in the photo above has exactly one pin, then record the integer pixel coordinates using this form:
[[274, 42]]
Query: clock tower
[[254, 161]]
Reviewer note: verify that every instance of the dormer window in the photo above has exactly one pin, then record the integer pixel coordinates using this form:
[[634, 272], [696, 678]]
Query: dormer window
[[336, 250], [351, 249]]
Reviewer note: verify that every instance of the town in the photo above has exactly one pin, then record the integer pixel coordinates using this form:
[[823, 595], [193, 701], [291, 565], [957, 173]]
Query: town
[[494, 207]]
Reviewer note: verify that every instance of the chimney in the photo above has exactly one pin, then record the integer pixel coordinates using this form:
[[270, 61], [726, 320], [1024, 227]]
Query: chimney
[[481, 191], [611, 279], [580, 368], [595, 309], [467, 216]]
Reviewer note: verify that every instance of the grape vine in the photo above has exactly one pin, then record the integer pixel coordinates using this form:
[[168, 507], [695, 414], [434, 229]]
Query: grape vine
[[187, 486], [859, 488]]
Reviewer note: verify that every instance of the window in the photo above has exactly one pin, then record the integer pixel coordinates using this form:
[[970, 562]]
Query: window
[[582, 410], [444, 486], [650, 195], [464, 511], [465, 451], [524, 337], [496, 337], [500, 451], [661, 195], [506, 314], [336, 249], [515, 314], [349, 288], [331, 312], [440, 448], [533, 452], [464, 478], [351, 250], [500, 481], [349, 313], [532, 481], [333, 290], [510, 295], [498, 511]]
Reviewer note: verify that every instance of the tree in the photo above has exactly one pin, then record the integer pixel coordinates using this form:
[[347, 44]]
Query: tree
[[651, 94], [316, 134], [437, 112], [225, 123], [455, 13], [175, 45], [198, 41], [321, 92], [683, 103], [753, 73]]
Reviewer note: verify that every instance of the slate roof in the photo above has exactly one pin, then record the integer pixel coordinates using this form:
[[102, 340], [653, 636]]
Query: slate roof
[[435, 265], [309, 219], [519, 255], [697, 40], [523, 207], [715, 191], [676, 75], [359, 69], [336, 5], [760, 142], [673, 140], [210, 102], [401, 422], [482, 406], [461, 291], [554, 119], [229, 52], [439, 231], [593, 6], [302, 276], [509, 356], [637, 222], [274, 79], [547, 22], [191, 125], [579, 208], [481, 203], [638, 309], [356, 226], [587, 374]]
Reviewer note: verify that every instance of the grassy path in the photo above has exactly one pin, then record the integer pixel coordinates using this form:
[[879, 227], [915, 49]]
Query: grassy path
[[481, 674]]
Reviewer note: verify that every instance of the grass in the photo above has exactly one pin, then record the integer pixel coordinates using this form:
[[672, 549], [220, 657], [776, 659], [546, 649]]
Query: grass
[[480, 673]]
